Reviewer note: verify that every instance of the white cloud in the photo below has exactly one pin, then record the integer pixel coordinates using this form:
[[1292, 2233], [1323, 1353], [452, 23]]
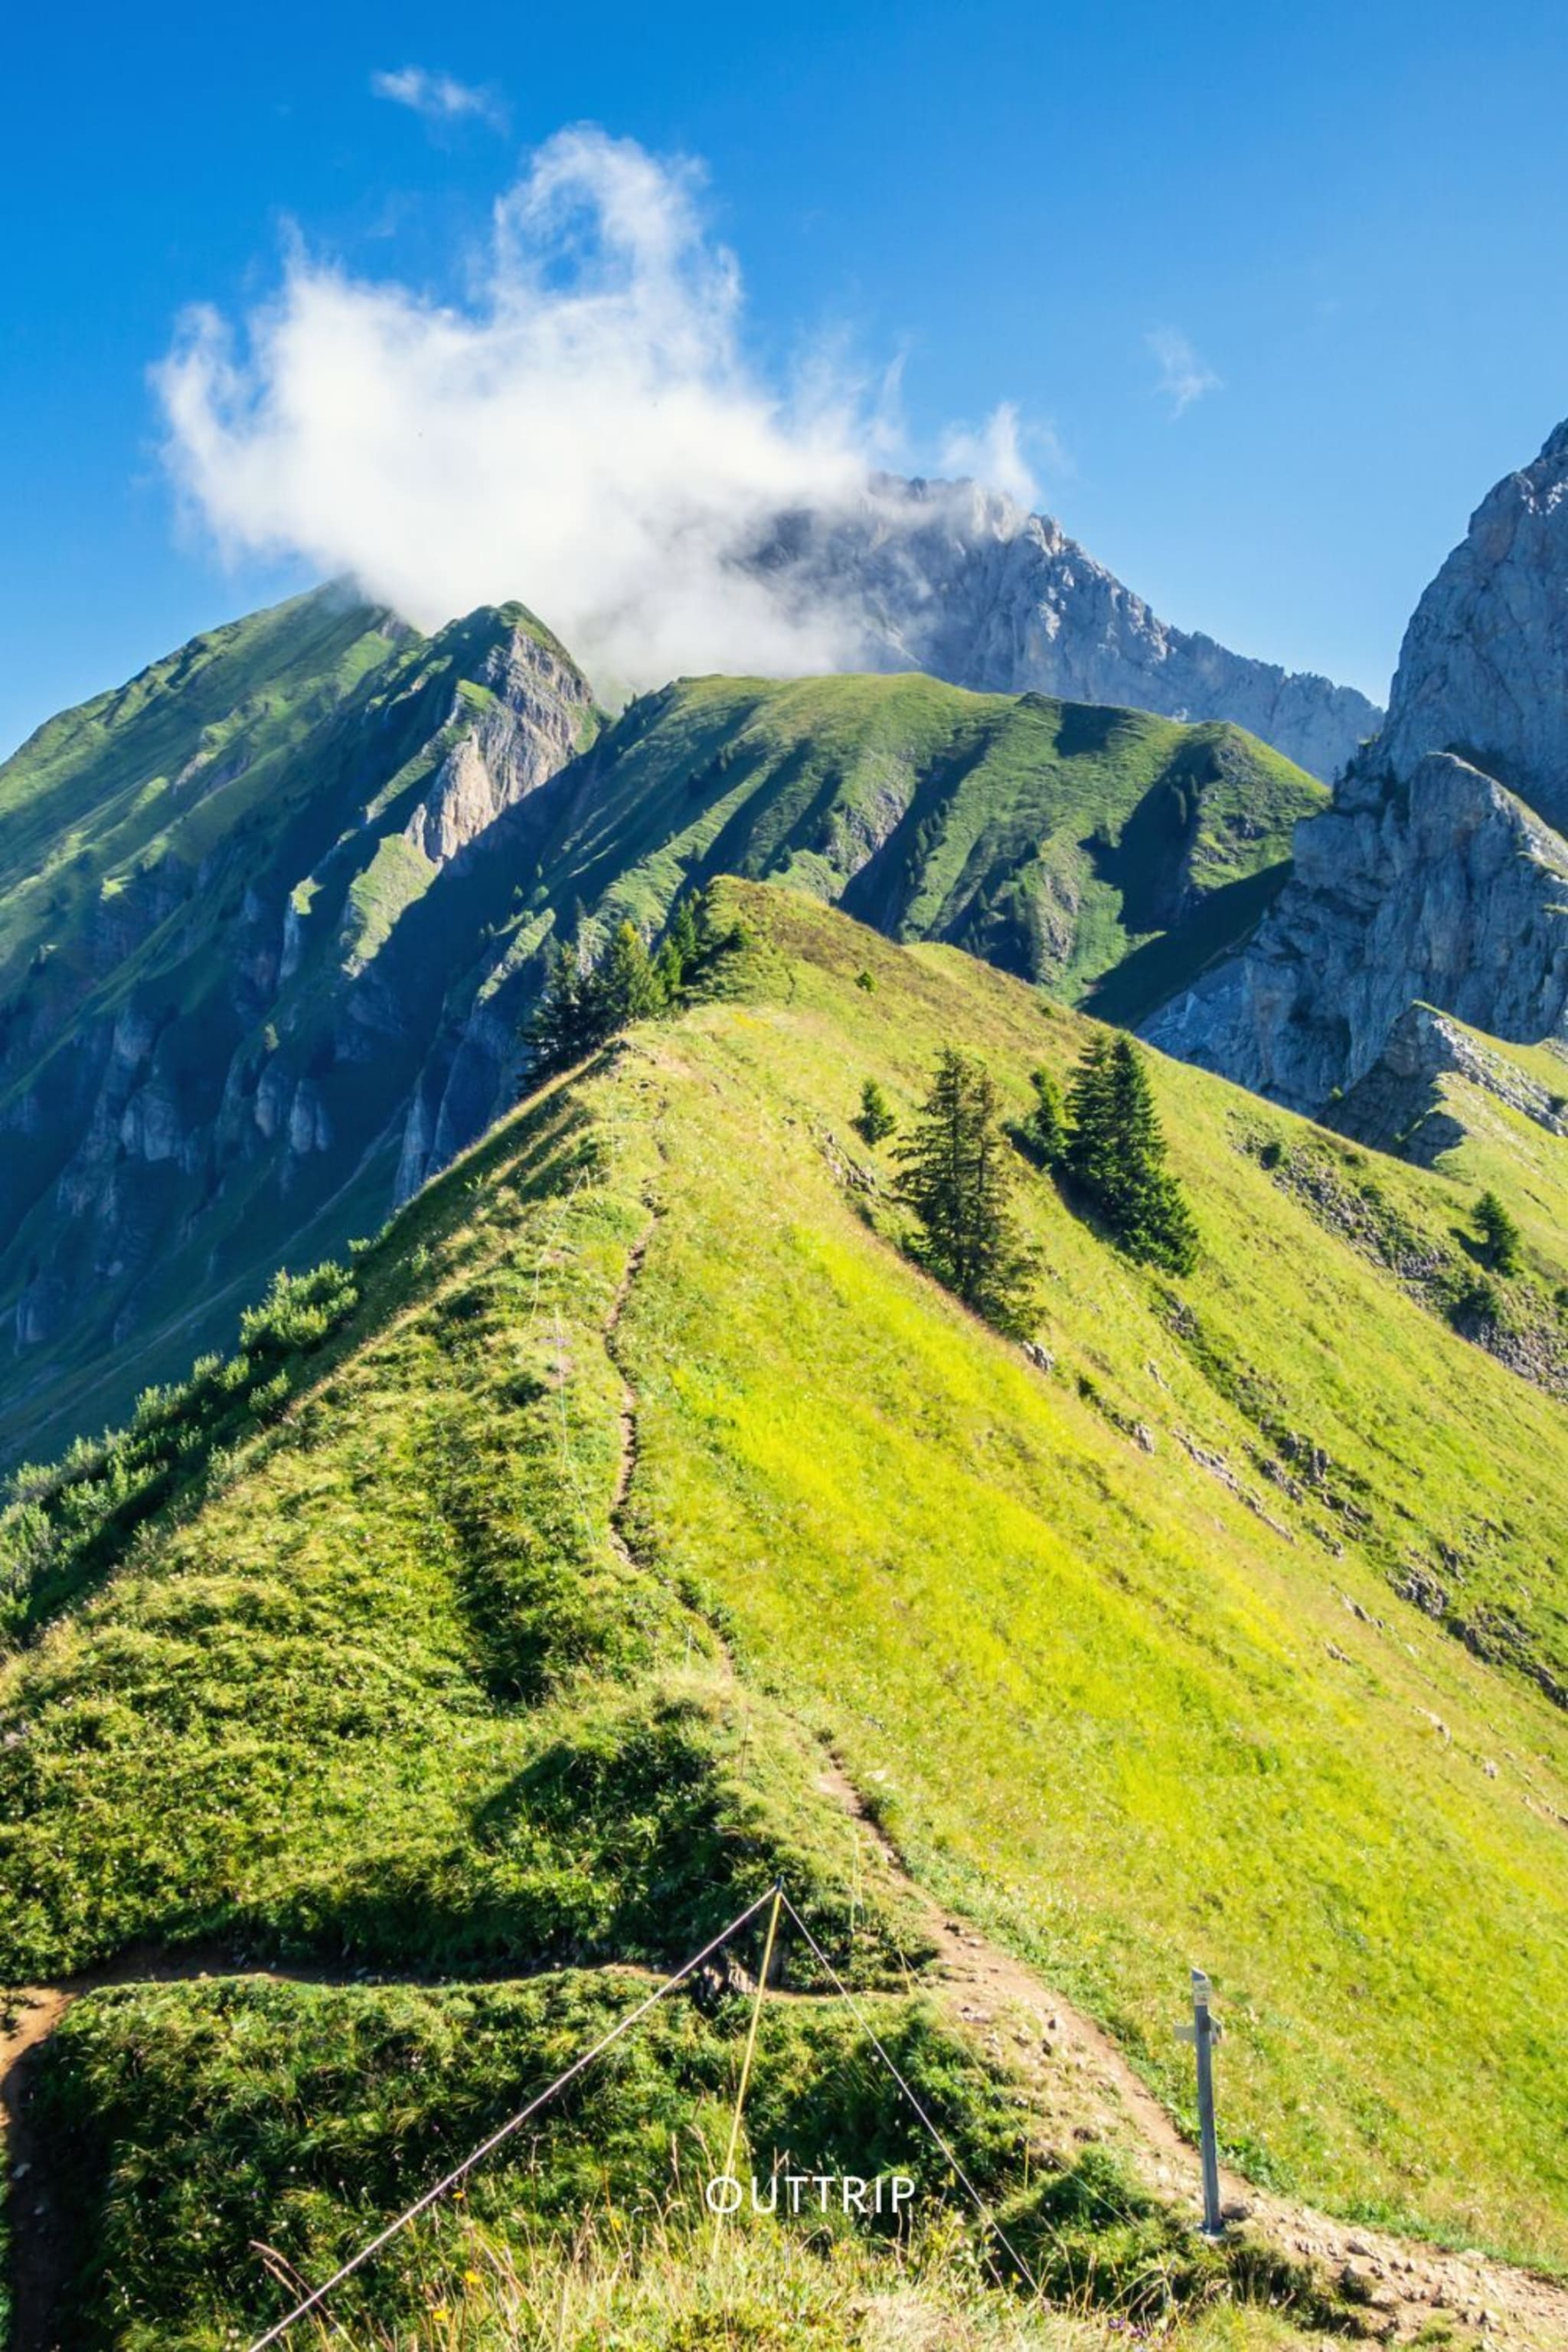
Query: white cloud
[[584, 433], [995, 454], [440, 96], [1184, 377]]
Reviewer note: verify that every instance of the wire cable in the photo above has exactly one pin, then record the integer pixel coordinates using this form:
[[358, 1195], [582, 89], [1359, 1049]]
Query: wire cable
[[746, 2061], [317, 2295], [870, 2031]]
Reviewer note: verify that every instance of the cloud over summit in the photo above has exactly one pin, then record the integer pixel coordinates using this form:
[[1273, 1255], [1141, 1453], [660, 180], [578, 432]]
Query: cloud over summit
[[584, 432]]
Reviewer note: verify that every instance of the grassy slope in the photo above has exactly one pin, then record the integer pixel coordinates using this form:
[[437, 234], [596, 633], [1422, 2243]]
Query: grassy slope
[[378, 1680], [155, 838], [106, 779], [1474, 1140], [1506, 1150], [305, 2115], [1051, 837], [1104, 1693], [379, 1685], [317, 730]]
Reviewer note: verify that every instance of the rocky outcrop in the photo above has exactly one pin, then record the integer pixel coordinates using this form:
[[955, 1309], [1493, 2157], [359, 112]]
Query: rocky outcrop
[[1440, 873], [531, 727], [1399, 1103], [1483, 670], [961, 582], [1440, 887]]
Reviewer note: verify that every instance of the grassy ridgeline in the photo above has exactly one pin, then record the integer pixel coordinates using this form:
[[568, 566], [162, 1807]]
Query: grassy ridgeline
[[339, 1655], [1102, 852]]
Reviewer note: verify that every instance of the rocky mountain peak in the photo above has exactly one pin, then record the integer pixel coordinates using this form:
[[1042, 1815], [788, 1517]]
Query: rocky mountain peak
[[962, 581], [519, 732], [1483, 670], [1440, 873], [211, 1022]]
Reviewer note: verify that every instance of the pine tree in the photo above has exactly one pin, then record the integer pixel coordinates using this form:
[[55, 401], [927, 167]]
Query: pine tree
[[625, 983], [1045, 1128], [957, 1177], [1090, 1154], [1147, 1207], [1116, 1155], [564, 1027], [584, 1003], [1500, 1234], [678, 952], [876, 1121], [685, 938]]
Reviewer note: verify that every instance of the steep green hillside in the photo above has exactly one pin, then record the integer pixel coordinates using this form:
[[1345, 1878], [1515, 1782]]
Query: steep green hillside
[[273, 916], [232, 899], [1054, 839], [357, 1651], [98, 788]]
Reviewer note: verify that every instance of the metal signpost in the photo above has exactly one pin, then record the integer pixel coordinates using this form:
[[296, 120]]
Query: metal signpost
[[1203, 2033]]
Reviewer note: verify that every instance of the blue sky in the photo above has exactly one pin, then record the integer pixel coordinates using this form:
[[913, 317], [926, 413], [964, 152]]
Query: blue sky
[[1342, 228]]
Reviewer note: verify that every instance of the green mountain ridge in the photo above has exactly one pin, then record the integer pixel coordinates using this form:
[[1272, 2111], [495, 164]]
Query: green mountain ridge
[[277, 912], [1054, 839], [495, 1612]]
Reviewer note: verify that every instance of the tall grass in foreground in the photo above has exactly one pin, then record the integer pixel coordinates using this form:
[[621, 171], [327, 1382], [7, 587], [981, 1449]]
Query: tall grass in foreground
[[762, 2289]]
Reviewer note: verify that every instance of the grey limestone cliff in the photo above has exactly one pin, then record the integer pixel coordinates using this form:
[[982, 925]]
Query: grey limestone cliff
[[961, 581], [1440, 886], [1439, 875], [1483, 670], [1400, 1104]]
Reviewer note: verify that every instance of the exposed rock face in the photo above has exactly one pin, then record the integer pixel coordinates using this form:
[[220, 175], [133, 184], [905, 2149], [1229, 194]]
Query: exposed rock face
[[210, 1031], [527, 733], [1398, 1105], [1434, 878], [1441, 887], [1483, 670], [959, 581]]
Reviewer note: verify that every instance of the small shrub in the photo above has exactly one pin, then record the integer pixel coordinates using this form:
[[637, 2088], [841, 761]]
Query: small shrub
[[1476, 1302], [298, 1312], [875, 1121], [1499, 1236]]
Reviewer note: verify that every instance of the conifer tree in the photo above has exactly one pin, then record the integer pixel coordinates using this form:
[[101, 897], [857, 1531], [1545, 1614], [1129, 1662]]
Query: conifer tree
[[564, 1027], [1116, 1155], [1150, 1216], [584, 1003], [685, 936], [679, 952], [625, 983], [1090, 1154], [957, 1177], [875, 1121], [1045, 1128], [1500, 1234]]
